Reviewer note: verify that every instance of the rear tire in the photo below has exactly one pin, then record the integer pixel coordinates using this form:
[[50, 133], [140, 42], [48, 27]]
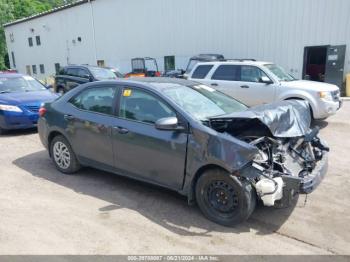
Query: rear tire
[[63, 156], [224, 198]]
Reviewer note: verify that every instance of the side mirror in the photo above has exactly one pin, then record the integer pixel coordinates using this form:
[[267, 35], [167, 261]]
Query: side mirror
[[265, 80], [87, 76], [168, 123]]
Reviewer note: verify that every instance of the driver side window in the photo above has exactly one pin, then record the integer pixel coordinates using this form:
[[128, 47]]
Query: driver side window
[[141, 106], [251, 74]]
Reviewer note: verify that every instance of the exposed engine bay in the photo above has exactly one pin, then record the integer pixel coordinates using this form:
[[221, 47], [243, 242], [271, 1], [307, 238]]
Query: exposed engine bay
[[282, 161], [285, 165]]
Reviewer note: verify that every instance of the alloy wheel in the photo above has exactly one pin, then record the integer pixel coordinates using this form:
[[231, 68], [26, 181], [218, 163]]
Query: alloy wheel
[[61, 155]]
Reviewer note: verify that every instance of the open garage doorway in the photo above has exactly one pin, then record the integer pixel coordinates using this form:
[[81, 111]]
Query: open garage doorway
[[324, 64], [315, 63]]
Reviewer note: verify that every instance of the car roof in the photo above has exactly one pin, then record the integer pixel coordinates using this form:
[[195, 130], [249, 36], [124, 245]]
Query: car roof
[[208, 57], [10, 75], [236, 62], [155, 83], [84, 66]]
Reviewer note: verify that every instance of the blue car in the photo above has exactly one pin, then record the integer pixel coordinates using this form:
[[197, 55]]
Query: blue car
[[20, 99]]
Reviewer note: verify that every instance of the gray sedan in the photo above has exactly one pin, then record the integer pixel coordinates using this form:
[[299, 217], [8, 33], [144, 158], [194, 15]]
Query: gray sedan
[[190, 138]]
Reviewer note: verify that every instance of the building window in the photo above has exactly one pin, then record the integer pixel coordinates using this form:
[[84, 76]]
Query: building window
[[169, 63], [30, 41], [34, 69], [28, 71], [12, 38], [101, 63], [37, 38], [13, 59], [42, 69], [57, 68]]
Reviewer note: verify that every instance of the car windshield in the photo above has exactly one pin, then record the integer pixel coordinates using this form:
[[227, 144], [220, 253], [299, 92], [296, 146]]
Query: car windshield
[[202, 102], [20, 84], [102, 73], [279, 72]]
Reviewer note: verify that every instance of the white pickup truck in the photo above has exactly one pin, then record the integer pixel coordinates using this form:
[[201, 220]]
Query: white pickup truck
[[255, 82]]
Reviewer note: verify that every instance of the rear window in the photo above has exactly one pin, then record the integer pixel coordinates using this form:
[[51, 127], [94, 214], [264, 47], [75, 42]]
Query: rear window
[[201, 71], [228, 73]]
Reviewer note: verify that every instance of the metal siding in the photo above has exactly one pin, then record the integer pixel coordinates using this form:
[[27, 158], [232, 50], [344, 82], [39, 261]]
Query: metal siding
[[270, 30]]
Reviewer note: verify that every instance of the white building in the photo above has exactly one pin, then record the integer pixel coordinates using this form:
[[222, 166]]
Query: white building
[[296, 34]]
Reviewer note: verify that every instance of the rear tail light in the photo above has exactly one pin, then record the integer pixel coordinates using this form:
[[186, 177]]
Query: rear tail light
[[42, 111], [158, 74]]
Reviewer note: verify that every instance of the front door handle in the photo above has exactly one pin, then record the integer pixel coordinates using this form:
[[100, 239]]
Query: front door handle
[[244, 86], [214, 84], [121, 130], [69, 117]]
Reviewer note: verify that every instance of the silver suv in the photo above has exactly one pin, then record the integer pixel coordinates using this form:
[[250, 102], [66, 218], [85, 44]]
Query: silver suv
[[255, 82]]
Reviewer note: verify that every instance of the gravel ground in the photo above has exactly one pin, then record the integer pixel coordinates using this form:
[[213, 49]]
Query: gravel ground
[[94, 212]]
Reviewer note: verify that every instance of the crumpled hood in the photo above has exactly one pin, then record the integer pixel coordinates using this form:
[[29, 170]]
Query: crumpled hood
[[27, 97], [290, 118]]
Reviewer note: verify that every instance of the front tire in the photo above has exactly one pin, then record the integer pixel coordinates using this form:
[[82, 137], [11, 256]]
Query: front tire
[[63, 156], [225, 199]]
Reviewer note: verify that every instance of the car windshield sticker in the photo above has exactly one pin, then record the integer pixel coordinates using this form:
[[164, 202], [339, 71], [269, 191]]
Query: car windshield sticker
[[127, 92]]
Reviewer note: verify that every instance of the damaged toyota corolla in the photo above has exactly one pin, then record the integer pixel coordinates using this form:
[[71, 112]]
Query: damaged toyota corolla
[[190, 138]]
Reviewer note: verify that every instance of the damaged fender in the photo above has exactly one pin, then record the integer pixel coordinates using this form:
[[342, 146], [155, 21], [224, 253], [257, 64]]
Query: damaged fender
[[208, 148]]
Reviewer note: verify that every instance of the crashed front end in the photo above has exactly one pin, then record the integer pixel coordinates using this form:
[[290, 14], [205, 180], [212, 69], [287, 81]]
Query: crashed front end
[[291, 158]]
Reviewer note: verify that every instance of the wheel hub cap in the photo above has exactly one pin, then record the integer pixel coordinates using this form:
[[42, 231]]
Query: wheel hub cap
[[61, 155]]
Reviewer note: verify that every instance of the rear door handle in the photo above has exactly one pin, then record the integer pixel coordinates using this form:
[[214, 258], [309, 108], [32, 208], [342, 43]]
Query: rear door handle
[[69, 117], [244, 86], [214, 84], [121, 130]]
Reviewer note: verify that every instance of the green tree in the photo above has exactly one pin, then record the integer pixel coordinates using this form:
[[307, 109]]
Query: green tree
[[6, 14], [15, 9]]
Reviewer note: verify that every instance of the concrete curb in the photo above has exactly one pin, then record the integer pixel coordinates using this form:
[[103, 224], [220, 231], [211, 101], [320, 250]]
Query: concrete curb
[[345, 98]]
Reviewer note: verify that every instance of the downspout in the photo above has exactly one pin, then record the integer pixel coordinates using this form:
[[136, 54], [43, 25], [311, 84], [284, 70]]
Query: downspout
[[93, 31]]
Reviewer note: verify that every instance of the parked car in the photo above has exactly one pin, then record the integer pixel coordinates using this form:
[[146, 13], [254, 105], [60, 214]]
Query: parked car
[[190, 138], [20, 99], [115, 71], [256, 83], [201, 58], [71, 76], [8, 71]]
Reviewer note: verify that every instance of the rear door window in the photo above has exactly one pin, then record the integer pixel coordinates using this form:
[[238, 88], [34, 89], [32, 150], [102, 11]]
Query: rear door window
[[227, 73], [201, 71], [97, 99]]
